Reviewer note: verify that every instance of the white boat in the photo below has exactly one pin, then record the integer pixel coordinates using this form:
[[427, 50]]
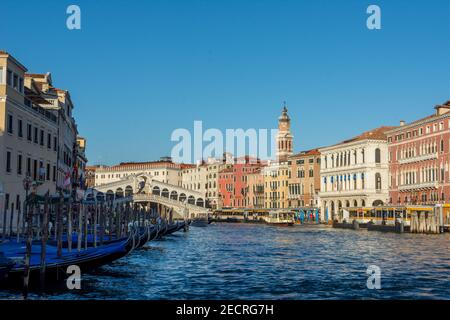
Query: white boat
[[200, 220], [280, 218]]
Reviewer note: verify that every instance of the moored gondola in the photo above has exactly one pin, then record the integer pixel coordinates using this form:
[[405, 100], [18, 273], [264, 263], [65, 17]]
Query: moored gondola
[[147, 234], [5, 266], [56, 267], [171, 228]]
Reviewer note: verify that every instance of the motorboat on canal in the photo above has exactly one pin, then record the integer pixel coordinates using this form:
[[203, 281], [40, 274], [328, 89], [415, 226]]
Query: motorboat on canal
[[201, 220], [279, 218]]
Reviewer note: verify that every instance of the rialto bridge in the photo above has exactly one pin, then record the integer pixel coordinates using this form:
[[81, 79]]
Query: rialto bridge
[[143, 189]]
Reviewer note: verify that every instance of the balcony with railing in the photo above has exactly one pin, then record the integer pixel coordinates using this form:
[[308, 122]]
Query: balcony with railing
[[423, 157], [415, 186]]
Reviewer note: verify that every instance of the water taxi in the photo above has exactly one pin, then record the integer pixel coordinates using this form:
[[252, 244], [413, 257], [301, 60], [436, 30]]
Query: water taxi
[[279, 218]]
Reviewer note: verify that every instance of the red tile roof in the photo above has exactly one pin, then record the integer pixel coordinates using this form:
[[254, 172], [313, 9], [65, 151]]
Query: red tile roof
[[375, 134], [312, 152]]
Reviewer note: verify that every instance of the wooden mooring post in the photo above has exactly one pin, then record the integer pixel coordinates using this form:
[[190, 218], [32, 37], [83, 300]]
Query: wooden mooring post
[[425, 222], [69, 226], [80, 209], [44, 239], [29, 223]]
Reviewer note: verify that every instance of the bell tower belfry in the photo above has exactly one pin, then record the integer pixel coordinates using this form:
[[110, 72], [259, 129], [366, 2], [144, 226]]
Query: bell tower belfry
[[284, 137]]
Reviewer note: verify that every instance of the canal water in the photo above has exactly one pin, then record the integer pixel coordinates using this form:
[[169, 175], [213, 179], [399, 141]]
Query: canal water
[[244, 261]]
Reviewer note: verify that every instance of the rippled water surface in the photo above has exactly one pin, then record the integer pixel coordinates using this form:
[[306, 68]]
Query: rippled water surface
[[240, 261]]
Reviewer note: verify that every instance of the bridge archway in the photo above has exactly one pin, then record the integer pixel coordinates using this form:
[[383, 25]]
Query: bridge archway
[[174, 195], [182, 197], [119, 193], [200, 202], [109, 195], [156, 191], [165, 193], [128, 191], [100, 196], [191, 200], [90, 196]]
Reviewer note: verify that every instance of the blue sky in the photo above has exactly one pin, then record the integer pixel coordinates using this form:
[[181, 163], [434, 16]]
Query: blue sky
[[140, 69]]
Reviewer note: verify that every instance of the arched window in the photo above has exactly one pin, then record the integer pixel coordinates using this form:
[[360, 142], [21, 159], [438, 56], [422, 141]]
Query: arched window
[[377, 155], [378, 181]]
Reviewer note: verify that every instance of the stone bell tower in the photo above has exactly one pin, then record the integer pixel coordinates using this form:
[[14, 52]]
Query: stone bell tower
[[284, 137]]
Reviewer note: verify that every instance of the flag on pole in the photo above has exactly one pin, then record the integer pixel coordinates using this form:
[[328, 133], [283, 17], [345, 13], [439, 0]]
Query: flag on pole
[[66, 182]]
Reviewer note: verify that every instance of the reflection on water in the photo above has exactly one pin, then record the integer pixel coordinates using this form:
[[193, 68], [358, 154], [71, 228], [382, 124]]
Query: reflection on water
[[238, 261]]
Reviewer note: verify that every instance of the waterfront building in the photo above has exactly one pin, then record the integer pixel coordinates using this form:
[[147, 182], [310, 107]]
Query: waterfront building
[[226, 188], [276, 173], [90, 175], [193, 177], [163, 170], [255, 189], [419, 156], [233, 182], [81, 162], [276, 185], [204, 178], [59, 103], [354, 173], [28, 138], [213, 169], [304, 179]]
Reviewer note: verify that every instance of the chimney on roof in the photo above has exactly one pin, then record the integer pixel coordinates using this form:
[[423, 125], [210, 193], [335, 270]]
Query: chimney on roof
[[402, 123], [443, 108]]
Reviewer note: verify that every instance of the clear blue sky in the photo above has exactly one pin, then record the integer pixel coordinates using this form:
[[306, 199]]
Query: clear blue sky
[[140, 69]]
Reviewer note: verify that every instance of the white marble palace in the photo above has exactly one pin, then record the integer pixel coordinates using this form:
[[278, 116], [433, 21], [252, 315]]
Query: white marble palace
[[354, 173]]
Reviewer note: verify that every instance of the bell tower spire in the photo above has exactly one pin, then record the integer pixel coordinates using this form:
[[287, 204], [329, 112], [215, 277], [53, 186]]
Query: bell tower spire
[[284, 137]]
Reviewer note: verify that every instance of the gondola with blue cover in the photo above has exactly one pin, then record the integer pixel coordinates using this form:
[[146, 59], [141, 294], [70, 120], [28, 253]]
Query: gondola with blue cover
[[56, 267], [5, 266]]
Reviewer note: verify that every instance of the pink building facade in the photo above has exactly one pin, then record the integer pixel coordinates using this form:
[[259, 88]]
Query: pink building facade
[[419, 159]]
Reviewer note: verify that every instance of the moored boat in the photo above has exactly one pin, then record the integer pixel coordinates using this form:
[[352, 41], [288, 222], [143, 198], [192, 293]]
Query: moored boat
[[5, 266], [199, 222], [56, 267], [280, 219]]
